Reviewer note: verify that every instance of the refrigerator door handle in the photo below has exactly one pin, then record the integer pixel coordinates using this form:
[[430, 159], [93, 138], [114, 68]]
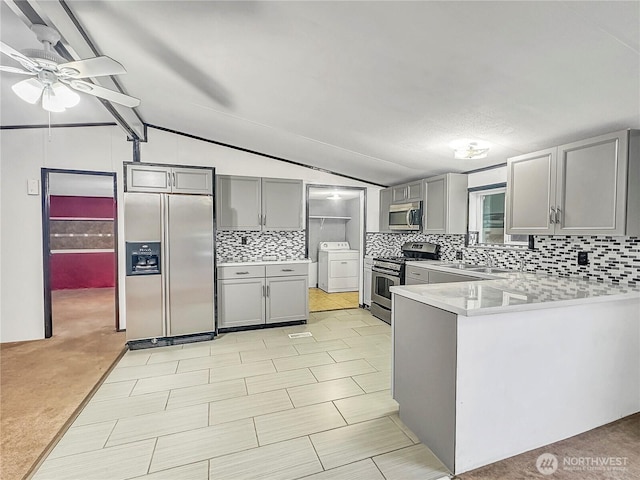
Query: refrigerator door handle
[[166, 277]]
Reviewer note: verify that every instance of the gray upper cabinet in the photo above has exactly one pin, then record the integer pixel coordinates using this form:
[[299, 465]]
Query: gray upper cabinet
[[385, 203], [196, 181], [254, 203], [590, 187], [167, 179], [445, 208], [238, 203], [281, 204], [531, 190], [408, 192]]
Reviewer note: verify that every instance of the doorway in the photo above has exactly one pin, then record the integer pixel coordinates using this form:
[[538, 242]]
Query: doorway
[[335, 214], [79, 225]]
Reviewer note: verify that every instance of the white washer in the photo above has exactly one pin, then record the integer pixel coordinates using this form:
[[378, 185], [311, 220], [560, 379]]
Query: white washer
[[338, 267]]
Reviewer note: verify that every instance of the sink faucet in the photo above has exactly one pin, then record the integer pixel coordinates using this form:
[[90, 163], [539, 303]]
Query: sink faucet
[[489, 261], [523, 264]]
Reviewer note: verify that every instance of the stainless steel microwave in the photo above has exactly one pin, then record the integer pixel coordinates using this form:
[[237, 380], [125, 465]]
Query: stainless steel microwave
[[405, 216]]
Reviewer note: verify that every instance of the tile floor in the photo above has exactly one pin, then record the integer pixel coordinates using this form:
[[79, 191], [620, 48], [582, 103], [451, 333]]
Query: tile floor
[[250, 405], [320, 301]]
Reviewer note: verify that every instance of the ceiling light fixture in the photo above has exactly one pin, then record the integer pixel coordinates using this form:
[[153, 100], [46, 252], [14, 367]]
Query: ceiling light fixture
[[334, 196], [468, 149]]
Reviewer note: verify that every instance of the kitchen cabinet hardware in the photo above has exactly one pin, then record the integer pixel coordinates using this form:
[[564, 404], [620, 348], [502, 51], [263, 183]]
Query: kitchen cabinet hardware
[[552, 215], [286, 270], [558, 216], [268, 291], [264, 291], [242, 273]]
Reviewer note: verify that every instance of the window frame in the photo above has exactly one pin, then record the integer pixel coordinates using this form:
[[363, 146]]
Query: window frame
[[474, 205]]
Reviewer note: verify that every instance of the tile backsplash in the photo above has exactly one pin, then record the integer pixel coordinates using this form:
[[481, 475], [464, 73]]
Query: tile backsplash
[[282, 244], [611, 259]]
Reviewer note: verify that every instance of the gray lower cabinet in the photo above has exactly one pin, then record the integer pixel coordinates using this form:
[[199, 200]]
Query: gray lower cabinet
[[420, 275], [258, 294], [287, 299], [241, 302]]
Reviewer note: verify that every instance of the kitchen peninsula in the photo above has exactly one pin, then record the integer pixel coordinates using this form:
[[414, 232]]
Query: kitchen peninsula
[[484, 370]]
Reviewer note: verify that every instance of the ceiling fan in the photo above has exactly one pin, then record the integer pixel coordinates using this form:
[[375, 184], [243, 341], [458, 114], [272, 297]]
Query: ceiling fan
[[56, 78]]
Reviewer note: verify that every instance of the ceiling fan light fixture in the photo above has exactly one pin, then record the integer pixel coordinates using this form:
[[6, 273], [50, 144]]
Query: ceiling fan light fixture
[[51, 102], [470, 149], [28, 90], [67, 97]]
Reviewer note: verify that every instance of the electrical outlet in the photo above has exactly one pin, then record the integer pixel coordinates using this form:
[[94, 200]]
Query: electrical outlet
[[243, 240], [459, 255], [583, 258]]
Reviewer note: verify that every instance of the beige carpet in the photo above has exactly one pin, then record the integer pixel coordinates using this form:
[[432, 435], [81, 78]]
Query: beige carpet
[[576, 457], [43, 382]]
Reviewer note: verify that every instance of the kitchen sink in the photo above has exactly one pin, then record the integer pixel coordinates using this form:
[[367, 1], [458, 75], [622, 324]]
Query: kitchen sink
[[460, 266], [489, 269]]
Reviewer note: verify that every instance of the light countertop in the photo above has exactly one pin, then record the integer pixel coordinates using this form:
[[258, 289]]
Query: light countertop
[[513, 291], [245, 263]]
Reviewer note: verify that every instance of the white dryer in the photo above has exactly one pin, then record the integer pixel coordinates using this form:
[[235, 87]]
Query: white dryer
[[338, 267]]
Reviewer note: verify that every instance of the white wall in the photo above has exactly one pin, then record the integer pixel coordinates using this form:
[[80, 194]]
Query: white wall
[[487, 177], [25, 152]]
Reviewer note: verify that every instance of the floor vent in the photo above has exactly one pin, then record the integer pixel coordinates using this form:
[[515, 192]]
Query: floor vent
[[300, 335]]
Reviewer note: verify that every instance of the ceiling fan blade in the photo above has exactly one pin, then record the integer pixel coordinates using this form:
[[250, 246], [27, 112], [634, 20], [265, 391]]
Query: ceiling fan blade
[[4, 68], [26, 62], [98, 91], [91, 67]]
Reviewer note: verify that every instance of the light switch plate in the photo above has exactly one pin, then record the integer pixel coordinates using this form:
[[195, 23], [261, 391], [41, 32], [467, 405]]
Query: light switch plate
[[33, 186]]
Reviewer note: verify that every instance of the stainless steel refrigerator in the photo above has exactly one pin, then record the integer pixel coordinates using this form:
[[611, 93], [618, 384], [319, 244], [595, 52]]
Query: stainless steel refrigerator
[[170, 267]]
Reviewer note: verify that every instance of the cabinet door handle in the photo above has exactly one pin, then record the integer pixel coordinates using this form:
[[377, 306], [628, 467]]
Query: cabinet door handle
[[264, 220], [552, 215], [174, 178], [259, 219], [242, 273], [558, 215], [263, 291], [415, 273], [343, 263], [268, 291], [286, 270], [169, 179]]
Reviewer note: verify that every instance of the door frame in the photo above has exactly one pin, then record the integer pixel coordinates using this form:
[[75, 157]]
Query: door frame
[[363, 224], [46, 243]]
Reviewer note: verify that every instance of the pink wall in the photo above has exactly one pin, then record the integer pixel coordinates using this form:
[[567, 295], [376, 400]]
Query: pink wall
[[82, 270], [88, 207]]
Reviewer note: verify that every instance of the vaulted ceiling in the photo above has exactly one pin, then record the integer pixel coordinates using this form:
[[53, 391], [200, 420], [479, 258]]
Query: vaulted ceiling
[[373, 90]]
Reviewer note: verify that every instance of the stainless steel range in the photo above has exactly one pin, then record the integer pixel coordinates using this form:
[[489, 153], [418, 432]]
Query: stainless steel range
[[389, 271]]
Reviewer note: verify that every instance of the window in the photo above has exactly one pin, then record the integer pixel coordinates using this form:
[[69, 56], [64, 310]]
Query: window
[[486, 217]]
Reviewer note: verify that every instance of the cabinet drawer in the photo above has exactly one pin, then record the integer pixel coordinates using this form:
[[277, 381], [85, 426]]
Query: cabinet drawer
[[417, 273], [247, 271], [441, 277], [287, 269]]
